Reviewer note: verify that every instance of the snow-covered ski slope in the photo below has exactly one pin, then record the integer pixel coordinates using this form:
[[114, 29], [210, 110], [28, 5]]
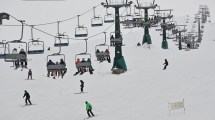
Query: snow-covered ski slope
[[143, 92]]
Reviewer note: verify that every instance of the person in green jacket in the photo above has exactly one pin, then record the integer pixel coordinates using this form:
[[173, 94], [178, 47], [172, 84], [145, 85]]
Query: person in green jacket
[[89, 109]]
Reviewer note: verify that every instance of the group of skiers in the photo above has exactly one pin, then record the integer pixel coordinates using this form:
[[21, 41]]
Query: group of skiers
[[88, 105], [56, 72], [21, 61], [83, 69], [105, 57]]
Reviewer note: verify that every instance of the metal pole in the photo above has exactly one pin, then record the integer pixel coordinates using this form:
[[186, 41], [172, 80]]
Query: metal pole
[[180, 46], [119, 61], [164, 42], [199, 31]]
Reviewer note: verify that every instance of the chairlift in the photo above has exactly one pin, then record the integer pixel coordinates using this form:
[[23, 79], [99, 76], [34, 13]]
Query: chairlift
[[38, 45], [127, 20], [2, 47], [84, 59], [108, 18], [115, 41], [96, 20], [56, 57], [35, 46], [137, 15], [81, 31], [61, 40], [170, 36], [13, 56], [55, 66], [103, 54]]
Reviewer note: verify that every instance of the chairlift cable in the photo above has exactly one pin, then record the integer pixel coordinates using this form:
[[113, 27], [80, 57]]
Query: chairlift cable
[[48, 23], [59, 21]]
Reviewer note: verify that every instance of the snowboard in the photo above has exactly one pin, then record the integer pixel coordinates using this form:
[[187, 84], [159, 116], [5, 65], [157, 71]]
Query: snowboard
[[28, 105], [81, 93], [29, 79], [90, 117]]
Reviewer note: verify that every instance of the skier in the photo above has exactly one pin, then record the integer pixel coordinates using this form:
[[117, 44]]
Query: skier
[[23, 60], [165, 64], [50, 63], [27, 98], [14, 51], [89, 109], [29, 73], [82, 85], [108, 56]]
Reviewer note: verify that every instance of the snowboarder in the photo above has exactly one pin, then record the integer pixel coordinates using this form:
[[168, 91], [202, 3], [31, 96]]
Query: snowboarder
[[82, 85], [165, 64], [29, 73], [89, 109], [27, 98]]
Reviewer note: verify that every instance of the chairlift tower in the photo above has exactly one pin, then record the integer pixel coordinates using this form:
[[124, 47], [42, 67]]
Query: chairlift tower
[[146, 37], [179, 31], [203, 9], [119, 61], [199, 31], [164, 25]]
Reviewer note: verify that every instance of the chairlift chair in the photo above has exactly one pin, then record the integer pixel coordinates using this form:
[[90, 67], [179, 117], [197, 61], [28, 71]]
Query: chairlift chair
[[115, 41], [109, 18], [128, 21], [2, 47], [56, 67], [81, 31], [102, 54], [13, 57], [170, 36], [39, 45], [61, 40], [85, 56], [96, 21], [35, 46]]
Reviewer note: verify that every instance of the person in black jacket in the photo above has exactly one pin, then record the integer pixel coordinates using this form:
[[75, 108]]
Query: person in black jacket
[[50, 63], [23, 60], [29, 73], [165, 64], [27, 98], [82, 85], [63, 72]]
